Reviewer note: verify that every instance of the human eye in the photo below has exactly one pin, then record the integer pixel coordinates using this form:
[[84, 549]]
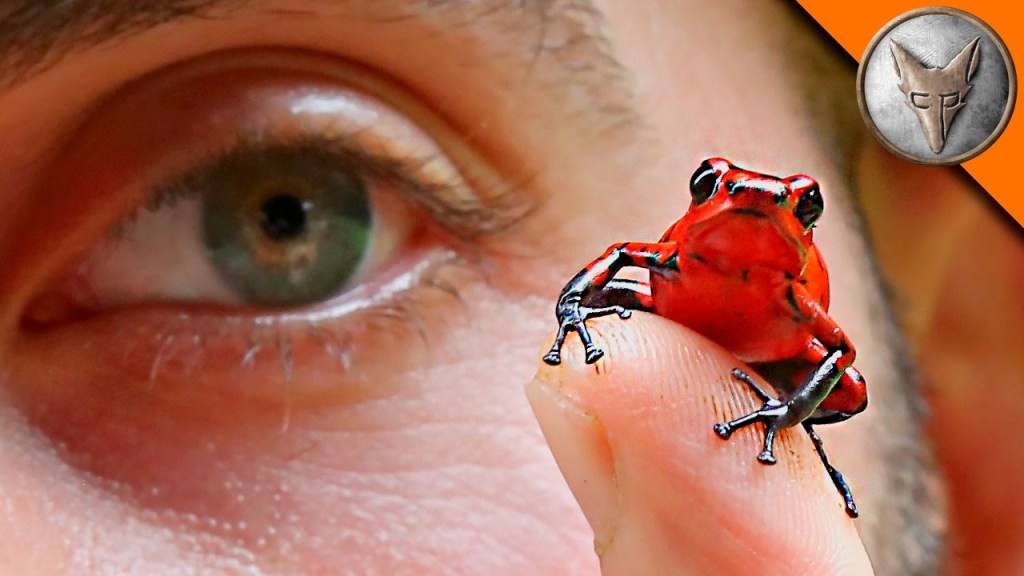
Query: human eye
[[271, 272], [259, 206]]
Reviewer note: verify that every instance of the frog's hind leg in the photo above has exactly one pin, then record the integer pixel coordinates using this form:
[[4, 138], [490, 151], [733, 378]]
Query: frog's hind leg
[[796, 408], [769, 415], [616, 297], [837, 477]]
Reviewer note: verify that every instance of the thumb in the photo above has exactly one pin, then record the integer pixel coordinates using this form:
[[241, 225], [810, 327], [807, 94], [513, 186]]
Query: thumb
[[633, 437]]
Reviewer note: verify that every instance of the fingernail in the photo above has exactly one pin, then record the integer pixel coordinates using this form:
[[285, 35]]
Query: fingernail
[[583, 453]]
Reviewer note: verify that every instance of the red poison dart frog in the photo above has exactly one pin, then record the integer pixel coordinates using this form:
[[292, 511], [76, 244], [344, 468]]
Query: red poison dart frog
[[742, 269]]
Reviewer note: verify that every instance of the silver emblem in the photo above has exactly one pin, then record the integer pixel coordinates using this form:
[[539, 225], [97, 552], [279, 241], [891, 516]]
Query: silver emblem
[[936, 86]]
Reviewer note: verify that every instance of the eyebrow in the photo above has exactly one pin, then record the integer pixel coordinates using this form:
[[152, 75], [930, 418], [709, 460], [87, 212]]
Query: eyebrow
[[35, 36]]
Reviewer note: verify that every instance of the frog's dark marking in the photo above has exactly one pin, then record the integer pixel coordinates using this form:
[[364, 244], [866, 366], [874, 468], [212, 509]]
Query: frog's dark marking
[[658, 260], [791, 297], [697, 257], [752, 213], [778, 190]]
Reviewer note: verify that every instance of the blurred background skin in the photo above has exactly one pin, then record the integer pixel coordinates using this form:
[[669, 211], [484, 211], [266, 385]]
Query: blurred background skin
[[955, 261], [131, 474]]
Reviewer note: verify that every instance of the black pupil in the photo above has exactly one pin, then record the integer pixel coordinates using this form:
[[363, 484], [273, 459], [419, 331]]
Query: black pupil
[[283, 217]]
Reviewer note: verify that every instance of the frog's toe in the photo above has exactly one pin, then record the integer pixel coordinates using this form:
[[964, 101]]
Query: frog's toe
[[766, 457], [553, 358], [594, 354]]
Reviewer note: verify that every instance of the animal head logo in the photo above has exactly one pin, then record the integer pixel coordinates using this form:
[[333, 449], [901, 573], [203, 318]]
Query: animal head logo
[[936, 94]]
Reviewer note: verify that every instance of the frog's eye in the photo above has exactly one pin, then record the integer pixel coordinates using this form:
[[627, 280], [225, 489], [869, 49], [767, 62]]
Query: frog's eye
[[809, 207], [704, 182]]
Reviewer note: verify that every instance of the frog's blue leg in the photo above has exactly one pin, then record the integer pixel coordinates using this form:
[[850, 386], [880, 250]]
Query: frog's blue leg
[[594, 291], [835, 475]]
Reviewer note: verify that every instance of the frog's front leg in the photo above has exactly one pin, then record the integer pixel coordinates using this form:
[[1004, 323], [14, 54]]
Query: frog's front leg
[[594, 292]]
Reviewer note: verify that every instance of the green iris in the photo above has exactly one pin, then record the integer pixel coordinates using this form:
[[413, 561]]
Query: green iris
[[284, 226]]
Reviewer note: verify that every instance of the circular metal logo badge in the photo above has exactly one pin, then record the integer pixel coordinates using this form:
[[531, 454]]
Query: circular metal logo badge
[[937, 86]]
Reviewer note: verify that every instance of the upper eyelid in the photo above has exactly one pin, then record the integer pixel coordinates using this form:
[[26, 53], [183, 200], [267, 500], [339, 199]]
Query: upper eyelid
[[464, 213], [407, 147]]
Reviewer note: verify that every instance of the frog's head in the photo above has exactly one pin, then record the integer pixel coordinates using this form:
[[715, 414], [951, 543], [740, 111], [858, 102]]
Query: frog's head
[[795, 202], [770, 218]]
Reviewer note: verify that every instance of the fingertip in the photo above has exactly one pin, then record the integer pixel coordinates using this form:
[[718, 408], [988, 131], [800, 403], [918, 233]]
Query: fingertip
[[678, 487], [578, 441]]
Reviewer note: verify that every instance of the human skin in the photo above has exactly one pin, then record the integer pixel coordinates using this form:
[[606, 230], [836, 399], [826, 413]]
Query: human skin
[[402, 442], [964, 324]]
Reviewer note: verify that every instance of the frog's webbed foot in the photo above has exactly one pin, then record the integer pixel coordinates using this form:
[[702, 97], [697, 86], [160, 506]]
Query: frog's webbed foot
[[595, 291], [775, 416], [572, 317], [574, 308], [774, 413]]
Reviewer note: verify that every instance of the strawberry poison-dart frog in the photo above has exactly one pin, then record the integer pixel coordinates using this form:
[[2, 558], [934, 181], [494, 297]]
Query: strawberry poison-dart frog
[[742, 269]]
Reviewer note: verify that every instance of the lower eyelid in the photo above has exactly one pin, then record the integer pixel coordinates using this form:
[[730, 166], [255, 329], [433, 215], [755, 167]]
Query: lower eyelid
[[339, 352]]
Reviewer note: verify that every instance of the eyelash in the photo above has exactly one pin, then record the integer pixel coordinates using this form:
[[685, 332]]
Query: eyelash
[[405, 175], [399, 309]]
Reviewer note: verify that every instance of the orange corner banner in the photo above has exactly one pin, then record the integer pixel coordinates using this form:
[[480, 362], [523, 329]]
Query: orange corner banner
[[853, 26]]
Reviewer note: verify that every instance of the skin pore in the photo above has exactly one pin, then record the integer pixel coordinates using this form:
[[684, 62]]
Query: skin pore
[[386, 430]]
